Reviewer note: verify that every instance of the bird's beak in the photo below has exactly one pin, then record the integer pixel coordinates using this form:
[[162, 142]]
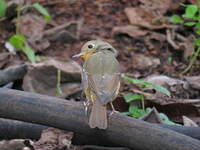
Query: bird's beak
[[84, 55], [78, 55]]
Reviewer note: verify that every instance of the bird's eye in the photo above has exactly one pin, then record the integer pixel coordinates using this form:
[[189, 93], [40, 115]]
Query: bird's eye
[[90, 46], [110, 49]]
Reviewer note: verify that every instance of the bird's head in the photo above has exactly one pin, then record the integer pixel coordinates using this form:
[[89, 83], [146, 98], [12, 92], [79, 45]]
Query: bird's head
[[95, 46]]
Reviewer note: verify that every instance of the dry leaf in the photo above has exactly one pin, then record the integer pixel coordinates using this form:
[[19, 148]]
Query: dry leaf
[[42, 77], [157, 7], [16, 144], [132, 31], [188, 122], [163, 80], [52, 139], [193, 81], [178, 88], [139, 17], [154, 41], [143, 18], [32, 26], [152, 116], [142, 61]]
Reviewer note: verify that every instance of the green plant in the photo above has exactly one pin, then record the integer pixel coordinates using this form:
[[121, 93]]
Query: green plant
[[18, 40], [134, 110], [137, 112], [166, 120], [170, 60], [143, 83], [58, 87], [3, 7], [190, 18]]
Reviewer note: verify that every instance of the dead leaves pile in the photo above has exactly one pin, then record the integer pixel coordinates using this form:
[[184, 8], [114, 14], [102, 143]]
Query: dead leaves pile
[[149, 23], [42, 78], [181, 106]]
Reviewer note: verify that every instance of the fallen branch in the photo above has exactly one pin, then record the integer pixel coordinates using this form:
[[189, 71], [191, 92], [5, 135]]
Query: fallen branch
[[12, 129], [122, 131], [170, 100], [170, 40]]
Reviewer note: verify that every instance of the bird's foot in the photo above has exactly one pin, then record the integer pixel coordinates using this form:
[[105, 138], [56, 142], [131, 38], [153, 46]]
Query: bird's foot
[[113, 112], [113, 109], [87, 105]]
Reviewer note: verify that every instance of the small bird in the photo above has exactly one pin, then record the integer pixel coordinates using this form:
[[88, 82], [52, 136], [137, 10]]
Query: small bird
[[100, 79]]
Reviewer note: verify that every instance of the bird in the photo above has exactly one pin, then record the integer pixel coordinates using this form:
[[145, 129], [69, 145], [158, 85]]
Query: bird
[[100, 79]]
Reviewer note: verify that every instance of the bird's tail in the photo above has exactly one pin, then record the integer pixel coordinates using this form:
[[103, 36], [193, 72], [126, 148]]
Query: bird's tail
[[98, 116]]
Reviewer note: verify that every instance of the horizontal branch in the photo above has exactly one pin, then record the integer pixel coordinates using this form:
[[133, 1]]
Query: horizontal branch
[[11, 129], [122, 130]]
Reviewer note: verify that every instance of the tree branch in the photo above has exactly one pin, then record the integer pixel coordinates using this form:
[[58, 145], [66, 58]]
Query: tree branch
[[122, 130]]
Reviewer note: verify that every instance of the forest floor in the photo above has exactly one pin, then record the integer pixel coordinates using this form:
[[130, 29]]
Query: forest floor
[[150, 48]]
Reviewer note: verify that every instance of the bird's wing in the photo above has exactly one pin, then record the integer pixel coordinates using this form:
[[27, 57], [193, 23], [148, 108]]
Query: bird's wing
[[103, 76], [105, 88]]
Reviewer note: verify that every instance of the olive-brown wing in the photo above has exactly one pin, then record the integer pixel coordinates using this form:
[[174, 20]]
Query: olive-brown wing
[[103, 76]]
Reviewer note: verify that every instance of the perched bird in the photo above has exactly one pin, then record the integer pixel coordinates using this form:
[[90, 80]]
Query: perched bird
[[100, 79]]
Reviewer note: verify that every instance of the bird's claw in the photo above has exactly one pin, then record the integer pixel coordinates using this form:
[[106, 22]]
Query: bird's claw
[[112, 112], [86, 104]]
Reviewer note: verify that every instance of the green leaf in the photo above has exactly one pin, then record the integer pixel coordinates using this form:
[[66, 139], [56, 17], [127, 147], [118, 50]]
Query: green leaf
[[148, 84], [197, 31], [3, 7], [197, 28], [29, 53], [196, 18], [190, 11], [131, 97], [170, 59], [197, 42], [148, 110], [43, 11], [136, 81], [126, 113], [37, 58], [136, 112], [161, 89], [176, 19], [189, 24], [18, 41], [166, 120], [59, 91]]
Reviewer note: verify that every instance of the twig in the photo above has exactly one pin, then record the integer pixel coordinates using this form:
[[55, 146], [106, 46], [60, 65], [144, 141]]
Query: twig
[[170, 41], [58, 86], [57, 28], [180, 37], [169, 100], [192, 61], [9, 85], [79, 26], [2, 19]]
